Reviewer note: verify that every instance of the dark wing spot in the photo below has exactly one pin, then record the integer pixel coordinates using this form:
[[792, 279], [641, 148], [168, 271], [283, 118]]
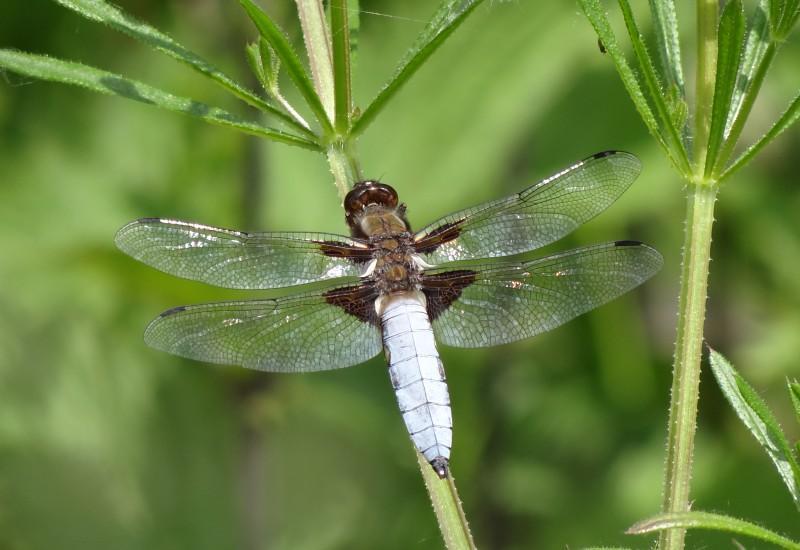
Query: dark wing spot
[[336, 249], [442, 289], [436, 238], [149, 220], [627, 243], [358, 301], [603, 154], [173, 311]]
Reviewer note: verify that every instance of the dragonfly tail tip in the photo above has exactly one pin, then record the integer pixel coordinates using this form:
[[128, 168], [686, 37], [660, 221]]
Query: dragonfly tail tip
[[440, 466]]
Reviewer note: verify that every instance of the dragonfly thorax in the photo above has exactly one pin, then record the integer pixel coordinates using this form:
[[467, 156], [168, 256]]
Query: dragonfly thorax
[[395, 269]]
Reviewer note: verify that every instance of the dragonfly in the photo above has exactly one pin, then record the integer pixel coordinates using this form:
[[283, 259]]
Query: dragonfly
[[388, 288]]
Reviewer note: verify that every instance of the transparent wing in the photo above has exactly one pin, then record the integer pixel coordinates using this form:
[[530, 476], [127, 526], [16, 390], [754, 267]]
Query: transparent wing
[[234, 259], [534, 217], [489, 304], [301, 333]]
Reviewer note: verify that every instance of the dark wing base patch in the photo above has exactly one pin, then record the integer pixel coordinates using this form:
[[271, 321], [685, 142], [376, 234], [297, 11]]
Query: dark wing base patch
[[334, 249], [439, 236], [357, 300], [443, 289]]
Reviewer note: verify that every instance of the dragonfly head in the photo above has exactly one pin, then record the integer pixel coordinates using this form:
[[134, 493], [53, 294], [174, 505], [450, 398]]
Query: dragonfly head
[[370, 202]]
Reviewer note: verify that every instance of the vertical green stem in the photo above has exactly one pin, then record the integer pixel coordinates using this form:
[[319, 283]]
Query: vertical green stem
[[688, 349], [447, 506], [707, 16], [694, 286], [344, 166], [318, 46]]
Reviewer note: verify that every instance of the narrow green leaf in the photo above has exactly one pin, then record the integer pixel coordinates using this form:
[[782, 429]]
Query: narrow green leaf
[[794, 393], [776, 8], [103, 12], [340, 39], [757, 417], [678, 109], [651, 80], [714, 522], [317, 38], [729, 49], [758, 39], [253, 54], [265, 64], [448, 17], [270, 61], [783, 15], [789, 17], [665, 22], [789, 117], [354, 22], [596, 14], [289, 58], [57, 70], [598, 18]]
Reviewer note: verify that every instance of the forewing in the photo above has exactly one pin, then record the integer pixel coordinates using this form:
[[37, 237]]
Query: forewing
[[490, 304], [302, 333], [532, 218], [234, 259]]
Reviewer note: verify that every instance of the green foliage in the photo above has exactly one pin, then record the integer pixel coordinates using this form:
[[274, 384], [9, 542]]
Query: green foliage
[[783, 15], [279, 43], [737, 81], [669, 46], [596, 14], [108, 14], [265, 65], [48, 68], [729, 51]]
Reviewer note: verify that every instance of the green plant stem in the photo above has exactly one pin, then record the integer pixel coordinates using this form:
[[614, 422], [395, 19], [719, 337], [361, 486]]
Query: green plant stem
[[447, 506], [707, 16], [318, 46], [694, 287], [688, 349], [344, 166]]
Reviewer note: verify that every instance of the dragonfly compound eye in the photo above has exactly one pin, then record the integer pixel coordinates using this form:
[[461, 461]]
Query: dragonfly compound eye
[[366, 193]]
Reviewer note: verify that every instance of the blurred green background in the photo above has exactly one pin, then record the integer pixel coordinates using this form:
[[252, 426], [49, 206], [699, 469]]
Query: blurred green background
[[559, 440]]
